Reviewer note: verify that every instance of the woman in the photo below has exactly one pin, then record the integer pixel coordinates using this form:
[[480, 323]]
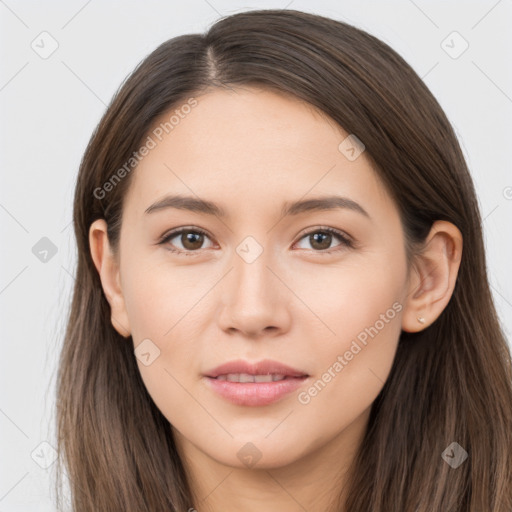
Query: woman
[[281, 298]]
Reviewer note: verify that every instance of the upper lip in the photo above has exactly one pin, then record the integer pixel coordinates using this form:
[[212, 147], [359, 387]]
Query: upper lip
[[264, 367]]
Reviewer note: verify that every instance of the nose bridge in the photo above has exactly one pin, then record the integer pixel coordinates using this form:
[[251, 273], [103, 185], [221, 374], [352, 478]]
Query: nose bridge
[[252, 280], [254, 300]]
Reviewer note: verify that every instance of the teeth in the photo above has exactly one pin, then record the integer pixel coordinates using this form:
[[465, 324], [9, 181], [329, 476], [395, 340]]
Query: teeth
[[263, 378], [245, 377]]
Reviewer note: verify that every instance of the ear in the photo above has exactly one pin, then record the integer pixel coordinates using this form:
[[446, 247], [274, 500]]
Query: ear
[[108, 268], [432, 277]]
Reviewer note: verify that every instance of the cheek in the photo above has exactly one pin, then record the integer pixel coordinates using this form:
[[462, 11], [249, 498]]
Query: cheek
[[157, 297], [165, 318], [363, 309]]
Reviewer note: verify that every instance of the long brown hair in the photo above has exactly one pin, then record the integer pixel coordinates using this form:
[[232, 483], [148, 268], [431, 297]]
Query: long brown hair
[[451, 382]]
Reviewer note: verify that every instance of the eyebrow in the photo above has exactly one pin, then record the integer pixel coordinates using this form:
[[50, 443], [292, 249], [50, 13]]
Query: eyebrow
[[194, 204]]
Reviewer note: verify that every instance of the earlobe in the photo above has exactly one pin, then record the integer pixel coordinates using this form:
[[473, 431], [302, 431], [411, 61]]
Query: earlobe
[[108, 270], [433, 277]]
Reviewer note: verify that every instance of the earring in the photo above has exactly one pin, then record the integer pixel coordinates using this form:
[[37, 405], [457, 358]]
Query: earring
[[421, 320]]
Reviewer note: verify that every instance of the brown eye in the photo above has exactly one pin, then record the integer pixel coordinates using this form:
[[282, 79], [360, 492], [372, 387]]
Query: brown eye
[[185, 240], [321, 239], [191, 240]]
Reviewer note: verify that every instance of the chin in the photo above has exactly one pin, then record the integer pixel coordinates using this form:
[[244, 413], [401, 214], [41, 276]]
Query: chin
[[264, 454]]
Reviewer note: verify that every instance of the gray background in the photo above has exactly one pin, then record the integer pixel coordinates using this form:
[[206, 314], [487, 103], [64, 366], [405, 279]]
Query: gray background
[[50, 106]]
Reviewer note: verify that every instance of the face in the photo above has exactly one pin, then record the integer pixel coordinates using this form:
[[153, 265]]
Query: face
[[319, 290]]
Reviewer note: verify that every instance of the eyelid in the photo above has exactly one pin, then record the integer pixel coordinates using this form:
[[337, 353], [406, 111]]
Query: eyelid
[[329, 229], [177, 231]]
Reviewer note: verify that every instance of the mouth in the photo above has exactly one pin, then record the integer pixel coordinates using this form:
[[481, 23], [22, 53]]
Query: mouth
[[258, 384], [246, 377], [266, 370]]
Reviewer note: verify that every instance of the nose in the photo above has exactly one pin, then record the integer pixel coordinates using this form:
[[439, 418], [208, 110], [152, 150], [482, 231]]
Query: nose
[[254, 299]]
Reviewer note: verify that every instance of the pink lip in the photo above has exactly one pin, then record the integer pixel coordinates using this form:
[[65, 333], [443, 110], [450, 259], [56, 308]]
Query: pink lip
[[255, 393], [263, 367]]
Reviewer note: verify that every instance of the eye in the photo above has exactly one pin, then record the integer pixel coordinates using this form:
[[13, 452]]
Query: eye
[[321, 238], [191, 240]]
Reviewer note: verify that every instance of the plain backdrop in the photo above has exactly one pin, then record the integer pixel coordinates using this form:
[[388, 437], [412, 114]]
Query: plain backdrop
[[50, 104]]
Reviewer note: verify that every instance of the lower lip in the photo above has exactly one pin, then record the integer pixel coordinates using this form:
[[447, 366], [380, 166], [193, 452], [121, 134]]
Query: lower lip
[[255, 393]]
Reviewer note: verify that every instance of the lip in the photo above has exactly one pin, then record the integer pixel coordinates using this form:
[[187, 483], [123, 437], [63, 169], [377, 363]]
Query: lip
[[263, 367], [255, 394]]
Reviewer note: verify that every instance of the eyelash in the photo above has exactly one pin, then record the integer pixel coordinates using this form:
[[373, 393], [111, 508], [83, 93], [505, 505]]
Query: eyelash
[[346, 242]]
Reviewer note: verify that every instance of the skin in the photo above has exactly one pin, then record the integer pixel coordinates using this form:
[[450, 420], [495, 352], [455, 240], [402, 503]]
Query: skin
[[250, 150]]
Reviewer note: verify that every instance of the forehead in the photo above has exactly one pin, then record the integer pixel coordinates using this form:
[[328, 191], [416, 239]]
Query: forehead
[[251, 146]]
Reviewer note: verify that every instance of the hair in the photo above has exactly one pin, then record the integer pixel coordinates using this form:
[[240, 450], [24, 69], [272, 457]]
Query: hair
[[451, 382]]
